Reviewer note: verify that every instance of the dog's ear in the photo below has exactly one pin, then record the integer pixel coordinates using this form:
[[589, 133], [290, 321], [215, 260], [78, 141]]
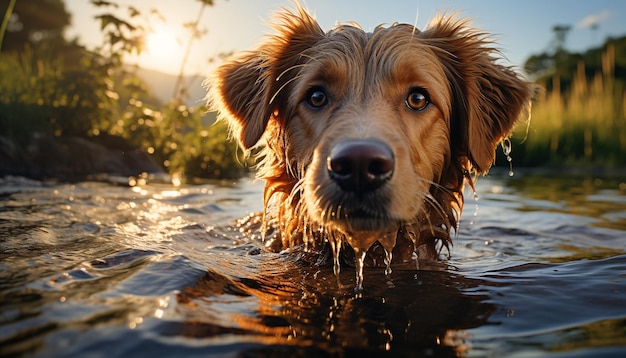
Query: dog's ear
[[248, 90], [239, 92], [488, 98]]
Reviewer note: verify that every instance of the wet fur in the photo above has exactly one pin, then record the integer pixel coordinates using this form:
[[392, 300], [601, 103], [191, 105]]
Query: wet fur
[[474, 103]]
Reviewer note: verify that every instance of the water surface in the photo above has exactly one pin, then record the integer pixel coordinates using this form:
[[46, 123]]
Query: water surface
[[98, 269]]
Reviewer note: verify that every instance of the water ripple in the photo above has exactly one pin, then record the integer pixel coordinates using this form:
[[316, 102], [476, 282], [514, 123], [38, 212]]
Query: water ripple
[[538, 268]]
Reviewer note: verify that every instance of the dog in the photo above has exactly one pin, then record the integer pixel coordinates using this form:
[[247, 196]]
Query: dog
[[366, 140]]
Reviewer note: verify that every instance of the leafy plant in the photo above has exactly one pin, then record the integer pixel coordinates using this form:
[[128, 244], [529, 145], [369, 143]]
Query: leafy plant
[[68, 90]]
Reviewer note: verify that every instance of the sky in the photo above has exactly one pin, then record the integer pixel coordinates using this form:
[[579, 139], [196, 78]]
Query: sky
[[521, 28]]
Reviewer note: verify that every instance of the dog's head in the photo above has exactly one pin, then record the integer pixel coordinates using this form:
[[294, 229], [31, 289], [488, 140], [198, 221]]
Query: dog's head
[[366, 133]]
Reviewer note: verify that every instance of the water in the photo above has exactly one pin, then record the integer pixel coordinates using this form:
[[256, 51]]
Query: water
[[96, 269]]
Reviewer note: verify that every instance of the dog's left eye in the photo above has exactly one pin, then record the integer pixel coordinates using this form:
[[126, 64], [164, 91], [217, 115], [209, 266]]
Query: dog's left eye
[[417, 99], [316, 97]]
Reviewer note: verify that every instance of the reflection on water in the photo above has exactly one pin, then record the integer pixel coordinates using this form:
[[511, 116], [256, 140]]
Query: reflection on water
[[539, 267]]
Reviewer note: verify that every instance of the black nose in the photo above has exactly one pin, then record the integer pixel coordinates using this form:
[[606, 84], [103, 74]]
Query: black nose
[[360, 165]]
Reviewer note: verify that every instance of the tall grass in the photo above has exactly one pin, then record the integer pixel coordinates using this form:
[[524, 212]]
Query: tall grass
[[584, 125]]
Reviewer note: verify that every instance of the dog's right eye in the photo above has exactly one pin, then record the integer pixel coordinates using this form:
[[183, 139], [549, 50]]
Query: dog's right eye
[[316, 97]]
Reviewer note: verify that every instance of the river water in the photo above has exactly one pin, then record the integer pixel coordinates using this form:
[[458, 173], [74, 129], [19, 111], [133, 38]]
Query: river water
[[100, 269]]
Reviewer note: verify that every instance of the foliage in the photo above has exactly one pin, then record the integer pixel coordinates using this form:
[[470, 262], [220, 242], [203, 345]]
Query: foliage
[[177, 137], [68, 90], [562, 65], [8, 13], [583, 124], [33, 22]]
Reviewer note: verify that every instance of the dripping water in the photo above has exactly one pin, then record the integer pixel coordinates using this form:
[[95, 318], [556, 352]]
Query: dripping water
[[388, 242], [470, 181], [388, 257], [413, 238], [336, 247], [507, 147], [360, 262], [415, 257]]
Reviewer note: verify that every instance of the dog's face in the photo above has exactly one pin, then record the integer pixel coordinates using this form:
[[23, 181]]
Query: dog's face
[[370, 120], [366, 133]]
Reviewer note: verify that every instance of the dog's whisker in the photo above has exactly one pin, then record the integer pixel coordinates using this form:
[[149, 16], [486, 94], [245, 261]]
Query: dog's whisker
[[435, 204], [283, 86], [311, 58], [415, 30], [301, 65], [296, 191]]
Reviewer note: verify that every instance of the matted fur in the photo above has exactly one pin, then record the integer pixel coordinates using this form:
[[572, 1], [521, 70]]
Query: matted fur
[[474, 102]]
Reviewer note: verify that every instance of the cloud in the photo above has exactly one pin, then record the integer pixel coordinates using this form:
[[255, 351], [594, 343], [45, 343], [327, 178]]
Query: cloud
[[594, 20]]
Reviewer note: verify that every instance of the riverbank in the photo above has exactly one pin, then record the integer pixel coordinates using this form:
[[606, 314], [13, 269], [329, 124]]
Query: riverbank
[[75, 158]]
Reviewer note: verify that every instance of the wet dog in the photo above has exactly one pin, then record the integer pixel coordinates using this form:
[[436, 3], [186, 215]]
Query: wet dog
[[367, 139]]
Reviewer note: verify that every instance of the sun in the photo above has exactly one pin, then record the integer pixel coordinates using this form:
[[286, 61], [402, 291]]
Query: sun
[[163, 50], [162, 40]]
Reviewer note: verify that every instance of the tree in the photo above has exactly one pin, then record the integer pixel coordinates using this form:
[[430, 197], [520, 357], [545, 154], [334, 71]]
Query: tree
[[34, 23], [552, 59]]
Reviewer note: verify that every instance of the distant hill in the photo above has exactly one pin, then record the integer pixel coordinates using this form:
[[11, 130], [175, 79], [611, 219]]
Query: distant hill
[[162, 86]]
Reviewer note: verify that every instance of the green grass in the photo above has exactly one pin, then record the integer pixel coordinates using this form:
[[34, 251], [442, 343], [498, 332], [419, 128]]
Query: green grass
[[584, 126]]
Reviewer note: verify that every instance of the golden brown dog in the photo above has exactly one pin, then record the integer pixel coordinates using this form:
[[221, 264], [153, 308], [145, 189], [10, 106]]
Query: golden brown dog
[[366, 139]]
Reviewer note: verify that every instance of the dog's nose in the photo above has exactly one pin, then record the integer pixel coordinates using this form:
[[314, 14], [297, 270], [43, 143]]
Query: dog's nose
[[360, 165]]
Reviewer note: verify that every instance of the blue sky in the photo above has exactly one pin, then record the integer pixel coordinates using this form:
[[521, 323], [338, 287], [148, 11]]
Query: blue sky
[[521, 27]]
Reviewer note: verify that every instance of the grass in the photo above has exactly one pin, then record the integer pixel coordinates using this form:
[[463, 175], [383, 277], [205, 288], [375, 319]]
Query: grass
[[584, 126]]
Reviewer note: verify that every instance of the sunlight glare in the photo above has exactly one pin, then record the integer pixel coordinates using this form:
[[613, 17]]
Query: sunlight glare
[[163, 51]]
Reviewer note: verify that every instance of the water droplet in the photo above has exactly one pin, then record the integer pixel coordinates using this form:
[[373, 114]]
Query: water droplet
[[507, 148], [415, 257], [470, 181], [388, 241], [475, 206], [388, 257]]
